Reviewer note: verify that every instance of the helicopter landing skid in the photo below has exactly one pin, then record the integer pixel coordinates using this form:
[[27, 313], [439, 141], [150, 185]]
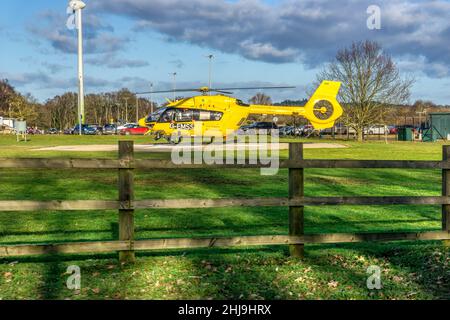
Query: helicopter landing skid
[[179, 139]]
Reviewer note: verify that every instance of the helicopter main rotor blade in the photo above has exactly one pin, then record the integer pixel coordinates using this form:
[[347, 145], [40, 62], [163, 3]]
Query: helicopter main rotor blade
[[221, 90], [170, 91], [252, 88]]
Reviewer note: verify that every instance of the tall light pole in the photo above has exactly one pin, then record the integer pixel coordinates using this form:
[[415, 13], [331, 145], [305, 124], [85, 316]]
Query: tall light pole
[[137, 108], [126, 109], [210, 57], [77, 6], [174, 74], [151, 97], [118, 112]]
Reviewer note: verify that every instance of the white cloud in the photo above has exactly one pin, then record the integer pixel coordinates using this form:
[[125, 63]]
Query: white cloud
[[310, 31]]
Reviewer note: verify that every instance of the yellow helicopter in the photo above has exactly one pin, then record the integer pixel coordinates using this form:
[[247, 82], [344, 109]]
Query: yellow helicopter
[[217, 115]]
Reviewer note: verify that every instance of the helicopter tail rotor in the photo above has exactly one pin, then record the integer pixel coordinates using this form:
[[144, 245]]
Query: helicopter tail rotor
[[323, 109]]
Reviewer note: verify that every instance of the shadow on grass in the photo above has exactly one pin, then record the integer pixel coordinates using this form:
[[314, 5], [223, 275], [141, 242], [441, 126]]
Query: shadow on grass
[[252, 273], [426, 264], [249, 281]]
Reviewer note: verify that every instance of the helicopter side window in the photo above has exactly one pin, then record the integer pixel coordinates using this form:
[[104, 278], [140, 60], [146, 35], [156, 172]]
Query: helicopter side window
[[216, 116], [183, 115], [241, 103], [203, 115], [167, 116], [155, 116]]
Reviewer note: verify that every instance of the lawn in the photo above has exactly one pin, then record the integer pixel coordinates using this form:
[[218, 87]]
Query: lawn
[[410, 270]]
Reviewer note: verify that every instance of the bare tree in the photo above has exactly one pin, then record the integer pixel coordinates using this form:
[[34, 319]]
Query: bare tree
[[261, 99], [23, 108], [62, 111], [6, 93], [371, 81]]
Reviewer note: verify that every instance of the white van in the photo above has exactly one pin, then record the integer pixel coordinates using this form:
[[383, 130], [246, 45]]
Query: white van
[[376, 129]]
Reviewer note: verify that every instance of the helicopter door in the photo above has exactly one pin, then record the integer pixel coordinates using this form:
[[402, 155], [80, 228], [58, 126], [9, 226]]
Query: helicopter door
[[183, 121], [199, 117], [209, 121]]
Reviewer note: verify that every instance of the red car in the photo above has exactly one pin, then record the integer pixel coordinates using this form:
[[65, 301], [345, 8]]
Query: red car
[[393, 130], [134, 131]]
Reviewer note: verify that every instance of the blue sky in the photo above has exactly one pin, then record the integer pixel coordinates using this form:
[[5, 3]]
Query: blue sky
[[130, 43]]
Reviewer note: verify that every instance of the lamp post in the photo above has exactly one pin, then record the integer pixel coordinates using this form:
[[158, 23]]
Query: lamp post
[[77, 6], [126, 109], [210, 57], [174, 74], [151, 97], [137, 108]]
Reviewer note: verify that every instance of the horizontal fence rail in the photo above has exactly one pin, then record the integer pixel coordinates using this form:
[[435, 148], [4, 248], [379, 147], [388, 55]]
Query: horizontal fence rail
[[126, 205], [88, 205], [168, 164], [219, 242]]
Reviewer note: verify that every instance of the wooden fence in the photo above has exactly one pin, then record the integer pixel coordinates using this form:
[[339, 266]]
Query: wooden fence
[[126, 245]]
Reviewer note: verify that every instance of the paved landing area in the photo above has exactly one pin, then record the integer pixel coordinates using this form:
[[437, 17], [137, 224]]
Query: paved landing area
[[170, 148]]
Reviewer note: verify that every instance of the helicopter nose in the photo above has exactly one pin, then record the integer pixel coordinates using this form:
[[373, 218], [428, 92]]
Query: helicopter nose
[[142, 123]]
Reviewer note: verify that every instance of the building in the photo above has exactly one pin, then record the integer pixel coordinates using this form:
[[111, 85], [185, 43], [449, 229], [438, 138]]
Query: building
[[9, 122], [438, 127]]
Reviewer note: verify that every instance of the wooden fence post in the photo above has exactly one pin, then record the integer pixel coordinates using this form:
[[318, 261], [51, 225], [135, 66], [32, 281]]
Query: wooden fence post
[[296, 190], [446, 193], [126, 197]]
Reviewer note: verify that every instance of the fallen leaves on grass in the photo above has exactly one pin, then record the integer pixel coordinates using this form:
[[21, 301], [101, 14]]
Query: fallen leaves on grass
[[333, 284], [8, 276]]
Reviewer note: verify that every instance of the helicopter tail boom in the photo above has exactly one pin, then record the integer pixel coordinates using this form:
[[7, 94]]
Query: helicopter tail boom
[[322, 109]]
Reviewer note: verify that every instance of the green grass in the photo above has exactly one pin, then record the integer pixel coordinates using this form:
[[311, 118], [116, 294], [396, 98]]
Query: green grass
[[411, 270]]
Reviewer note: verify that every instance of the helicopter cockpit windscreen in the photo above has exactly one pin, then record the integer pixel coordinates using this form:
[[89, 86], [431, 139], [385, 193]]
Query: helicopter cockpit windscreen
[[155, 116]]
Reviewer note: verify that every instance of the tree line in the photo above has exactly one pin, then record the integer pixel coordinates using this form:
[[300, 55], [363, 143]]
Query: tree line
[[60, 112]]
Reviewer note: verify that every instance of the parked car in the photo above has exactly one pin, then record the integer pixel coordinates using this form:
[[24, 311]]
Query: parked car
[[338, 129], [255, 127], [126, 126], [286, 131], [135, 131], [98, 128], [260, 126], [86, 130], [33, 131], [297, 131], [4, 129], [110, 129], [243, 129], [52, 131], [377, 129], [393, 130], [307, 130]]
